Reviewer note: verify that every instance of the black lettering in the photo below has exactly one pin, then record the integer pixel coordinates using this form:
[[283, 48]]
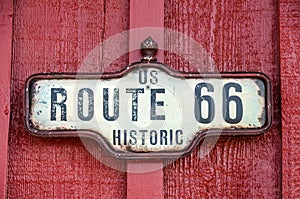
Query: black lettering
[[55, 103], [116, 137], [90, 104], [233, 98], [163, 137], [105, 105], [125, 137], [179, 140], [171, 137], [143, 76], [143, 136], [154, 79], [153, 139], [155, 103], [134, 92], [132, 135], [199, 98]]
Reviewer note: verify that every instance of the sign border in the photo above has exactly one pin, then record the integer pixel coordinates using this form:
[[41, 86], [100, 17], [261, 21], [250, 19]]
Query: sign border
[[168, 70]]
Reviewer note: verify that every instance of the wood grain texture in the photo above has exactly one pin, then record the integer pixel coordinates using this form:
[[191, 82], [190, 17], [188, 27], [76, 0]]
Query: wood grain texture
[[55, 36], [145, 14], [6, 11], [290, 103], [239, 36], [141, 182]]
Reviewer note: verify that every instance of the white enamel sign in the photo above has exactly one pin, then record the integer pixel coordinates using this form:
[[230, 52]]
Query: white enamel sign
[[148, 110]]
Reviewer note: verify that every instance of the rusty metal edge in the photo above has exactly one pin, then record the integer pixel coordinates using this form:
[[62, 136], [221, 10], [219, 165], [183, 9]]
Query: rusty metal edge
[[170, 71]]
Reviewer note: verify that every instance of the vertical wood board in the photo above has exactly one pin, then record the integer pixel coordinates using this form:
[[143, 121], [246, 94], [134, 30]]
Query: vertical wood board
[[290, 97], [56, 36], [6, 12], [239, 36], [144, 179]]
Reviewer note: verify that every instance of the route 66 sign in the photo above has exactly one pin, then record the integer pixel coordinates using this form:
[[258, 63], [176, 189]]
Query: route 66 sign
[[148, 110]]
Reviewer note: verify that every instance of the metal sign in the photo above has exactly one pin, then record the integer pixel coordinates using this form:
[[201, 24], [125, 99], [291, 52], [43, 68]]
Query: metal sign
[[148, 110]]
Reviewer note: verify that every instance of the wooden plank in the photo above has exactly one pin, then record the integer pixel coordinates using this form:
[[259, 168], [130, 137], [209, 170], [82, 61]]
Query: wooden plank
[[240, 36], [290, 97], [145, 179], [56, 36], [6, 12], [144, 13]]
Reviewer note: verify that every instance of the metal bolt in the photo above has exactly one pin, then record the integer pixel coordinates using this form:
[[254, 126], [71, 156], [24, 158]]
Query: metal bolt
[[149, 49]]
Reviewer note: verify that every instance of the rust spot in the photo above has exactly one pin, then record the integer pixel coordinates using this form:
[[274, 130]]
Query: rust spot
[[6, 110], [259, 92], [236, 127], [62, 128], [130, 149], [261, 120]]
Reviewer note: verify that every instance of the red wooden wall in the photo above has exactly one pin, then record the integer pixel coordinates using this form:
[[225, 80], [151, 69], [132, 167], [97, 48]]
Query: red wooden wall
[[56, 35], [240, 36], [290, 103], [6, 11]]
